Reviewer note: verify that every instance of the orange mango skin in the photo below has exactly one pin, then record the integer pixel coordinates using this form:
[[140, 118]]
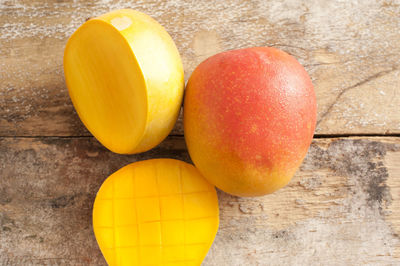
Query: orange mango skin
[[249, 119]]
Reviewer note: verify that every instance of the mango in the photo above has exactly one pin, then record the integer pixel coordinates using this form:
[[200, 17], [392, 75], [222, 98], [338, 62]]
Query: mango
[[125, 79], [249, 118], [155, 212]]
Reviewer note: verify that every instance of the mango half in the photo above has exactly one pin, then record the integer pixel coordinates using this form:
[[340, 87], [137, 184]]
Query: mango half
[[125, 79], [155, 212]]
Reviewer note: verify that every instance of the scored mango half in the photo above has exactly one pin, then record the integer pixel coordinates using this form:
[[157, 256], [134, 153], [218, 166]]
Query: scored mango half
[[156, 212], [125, 79]]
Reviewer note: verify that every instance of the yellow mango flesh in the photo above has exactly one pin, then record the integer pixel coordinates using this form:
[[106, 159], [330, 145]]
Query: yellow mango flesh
[[125, 79], [155, 212]]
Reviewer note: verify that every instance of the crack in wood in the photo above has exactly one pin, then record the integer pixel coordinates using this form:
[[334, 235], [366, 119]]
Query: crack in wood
[[343, 91]]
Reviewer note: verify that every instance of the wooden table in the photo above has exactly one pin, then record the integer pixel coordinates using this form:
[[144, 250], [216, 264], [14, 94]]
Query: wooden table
[[342, 207]]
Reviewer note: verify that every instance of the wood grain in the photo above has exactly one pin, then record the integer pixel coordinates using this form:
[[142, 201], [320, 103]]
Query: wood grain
[[342, 207], [350, 48]]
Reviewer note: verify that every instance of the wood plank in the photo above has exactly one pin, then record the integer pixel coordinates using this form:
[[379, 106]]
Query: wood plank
[[342, 207], [350, 48]]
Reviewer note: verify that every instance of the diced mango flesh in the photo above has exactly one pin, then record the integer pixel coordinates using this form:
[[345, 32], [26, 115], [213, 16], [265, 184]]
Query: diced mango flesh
[[155, 212]]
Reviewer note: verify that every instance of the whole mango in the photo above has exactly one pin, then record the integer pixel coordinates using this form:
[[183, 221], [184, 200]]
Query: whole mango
[[249, 119]]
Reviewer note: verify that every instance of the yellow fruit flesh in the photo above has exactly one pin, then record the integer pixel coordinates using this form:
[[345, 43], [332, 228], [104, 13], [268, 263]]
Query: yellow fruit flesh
[[125, 79], [155, 212], [106, 85]]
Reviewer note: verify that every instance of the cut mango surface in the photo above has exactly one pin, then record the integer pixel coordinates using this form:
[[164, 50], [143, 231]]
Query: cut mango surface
[[156, 212], [125, 79]]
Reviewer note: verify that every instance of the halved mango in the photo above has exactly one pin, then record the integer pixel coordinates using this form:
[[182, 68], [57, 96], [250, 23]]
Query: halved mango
[[125, 79], [155, 212]]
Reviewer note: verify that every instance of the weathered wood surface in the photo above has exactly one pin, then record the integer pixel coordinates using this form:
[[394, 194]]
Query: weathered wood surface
[[350, 48], [342, 207]]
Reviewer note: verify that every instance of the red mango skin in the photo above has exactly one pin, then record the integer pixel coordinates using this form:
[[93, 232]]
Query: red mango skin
[[249, 119]]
